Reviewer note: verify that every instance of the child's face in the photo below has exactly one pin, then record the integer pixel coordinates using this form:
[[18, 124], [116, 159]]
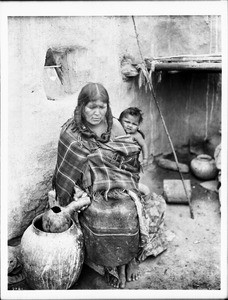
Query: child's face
[[130, 123]]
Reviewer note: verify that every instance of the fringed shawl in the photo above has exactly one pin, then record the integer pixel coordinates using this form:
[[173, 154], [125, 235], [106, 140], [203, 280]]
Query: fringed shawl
[[111, 165]]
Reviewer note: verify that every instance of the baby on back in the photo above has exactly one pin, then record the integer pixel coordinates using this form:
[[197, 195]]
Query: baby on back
[[131, 118]]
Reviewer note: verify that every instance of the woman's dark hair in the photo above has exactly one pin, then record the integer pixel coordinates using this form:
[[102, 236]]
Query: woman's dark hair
[[89, 93], [133, 111]]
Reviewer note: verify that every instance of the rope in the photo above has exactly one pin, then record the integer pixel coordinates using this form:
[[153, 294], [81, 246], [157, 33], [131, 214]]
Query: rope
[[149, 81]]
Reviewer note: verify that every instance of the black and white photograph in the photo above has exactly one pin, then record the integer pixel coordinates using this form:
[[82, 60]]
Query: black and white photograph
[[114, 150]]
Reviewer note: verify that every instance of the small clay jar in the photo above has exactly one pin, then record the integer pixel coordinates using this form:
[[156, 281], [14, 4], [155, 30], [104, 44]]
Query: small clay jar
[[203, 166], [56, 220]]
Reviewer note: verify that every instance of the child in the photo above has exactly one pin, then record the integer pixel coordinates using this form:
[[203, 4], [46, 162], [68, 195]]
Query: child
[[130, 119]]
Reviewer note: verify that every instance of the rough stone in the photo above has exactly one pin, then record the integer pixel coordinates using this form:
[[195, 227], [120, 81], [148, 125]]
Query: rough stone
[[171, 165], [174, 191]]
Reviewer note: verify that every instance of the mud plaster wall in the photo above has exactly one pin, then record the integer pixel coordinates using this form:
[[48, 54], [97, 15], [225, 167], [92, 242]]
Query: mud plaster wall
[[190, 102]]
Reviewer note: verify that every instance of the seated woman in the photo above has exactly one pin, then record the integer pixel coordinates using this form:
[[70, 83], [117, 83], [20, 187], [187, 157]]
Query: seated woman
[[96, 156]]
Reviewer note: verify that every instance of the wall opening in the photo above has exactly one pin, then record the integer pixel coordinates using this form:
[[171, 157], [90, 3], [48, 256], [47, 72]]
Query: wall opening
[[59, 76]]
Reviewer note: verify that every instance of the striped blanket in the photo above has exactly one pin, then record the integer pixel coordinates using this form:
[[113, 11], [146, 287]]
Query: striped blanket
[[94, 165]]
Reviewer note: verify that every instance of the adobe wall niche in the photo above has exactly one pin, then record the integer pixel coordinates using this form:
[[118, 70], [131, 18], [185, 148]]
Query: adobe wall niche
[[61, 71]]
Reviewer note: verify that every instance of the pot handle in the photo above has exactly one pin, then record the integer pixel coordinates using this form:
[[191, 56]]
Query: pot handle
[[77, 204], [204, 156]]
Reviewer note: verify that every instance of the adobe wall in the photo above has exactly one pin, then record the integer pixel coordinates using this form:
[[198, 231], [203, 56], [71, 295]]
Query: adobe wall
[[190, 102]]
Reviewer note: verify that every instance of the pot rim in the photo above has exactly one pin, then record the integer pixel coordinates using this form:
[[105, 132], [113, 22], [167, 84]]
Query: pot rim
[[72, 226], [204, 156]]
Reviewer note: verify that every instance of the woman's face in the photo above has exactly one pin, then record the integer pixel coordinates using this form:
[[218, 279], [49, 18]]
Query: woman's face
[[95, 112]]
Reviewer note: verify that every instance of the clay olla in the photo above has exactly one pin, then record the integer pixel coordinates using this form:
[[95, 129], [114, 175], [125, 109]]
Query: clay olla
[[203, 167], [52, 260]]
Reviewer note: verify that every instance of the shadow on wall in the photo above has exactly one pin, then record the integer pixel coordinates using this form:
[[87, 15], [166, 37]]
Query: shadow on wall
[[192, 106], [190, 103]]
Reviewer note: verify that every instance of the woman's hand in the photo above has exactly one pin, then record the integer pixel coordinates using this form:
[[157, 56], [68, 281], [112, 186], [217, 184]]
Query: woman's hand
[[78, 192], [85, 206], [82, 196]]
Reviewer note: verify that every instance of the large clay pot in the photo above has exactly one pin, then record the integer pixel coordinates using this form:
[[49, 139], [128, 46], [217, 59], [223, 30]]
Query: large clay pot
[[203, 166], [52, 260]]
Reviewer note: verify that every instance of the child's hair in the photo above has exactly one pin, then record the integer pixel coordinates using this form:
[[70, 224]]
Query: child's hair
[[133, 111]]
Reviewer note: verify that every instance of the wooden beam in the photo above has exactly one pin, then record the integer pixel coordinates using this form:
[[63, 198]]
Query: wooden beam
[[56, 66], [184, 66], [188, 57]]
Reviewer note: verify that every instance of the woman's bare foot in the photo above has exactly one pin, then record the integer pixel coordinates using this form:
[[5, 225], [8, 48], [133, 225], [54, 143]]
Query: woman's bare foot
[[133, 270], [114, 281], [122, 276]]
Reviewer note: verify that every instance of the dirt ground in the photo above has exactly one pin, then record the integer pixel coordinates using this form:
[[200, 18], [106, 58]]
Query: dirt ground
[[192, 260]]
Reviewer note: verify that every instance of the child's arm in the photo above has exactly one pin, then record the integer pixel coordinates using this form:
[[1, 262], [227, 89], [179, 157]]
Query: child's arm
[[140, 140], [145, 154], [144, 190]]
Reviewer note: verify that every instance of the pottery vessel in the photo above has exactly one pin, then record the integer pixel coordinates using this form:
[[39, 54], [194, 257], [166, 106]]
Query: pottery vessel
[[56, 220], [52, 261], [111, 231], [203, 166]]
